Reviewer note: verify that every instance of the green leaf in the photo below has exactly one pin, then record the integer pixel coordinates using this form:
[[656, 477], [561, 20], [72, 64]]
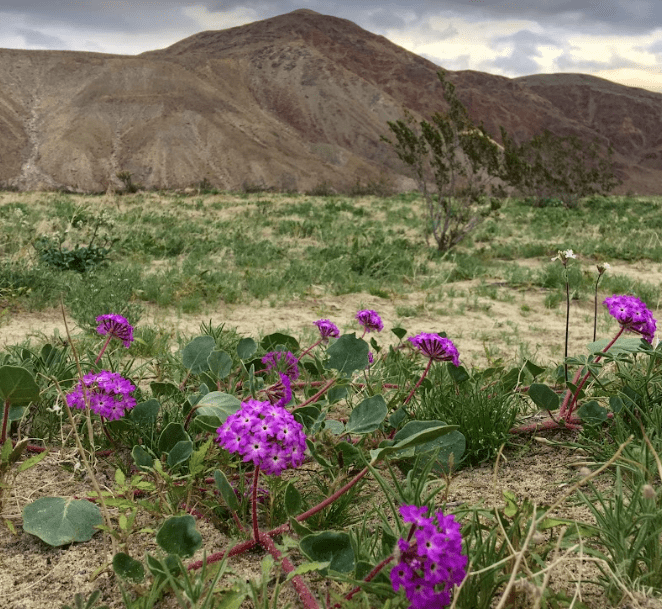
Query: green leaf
[[197, 464], [179, 536], [220, 364], [349, 452], [142, 458], [300, 529], [367, 416], [158, 567], [226, 490], [543, 396], [128, 568], [335, 427], [164, 389], [32, 461], [399, 332], [179, 453], [450, 446], [615, 404], [17, 386], [592, 413], [348, 354], [232, 599], [214, 408], [144, 414], [246, 348], [307, 567], [459, 374], [533, 369], [292, 499], [420, 438], [59, 521], [336, 393], [332, 547], [311, 417], [195, 354], [280, 342], [173, 433]]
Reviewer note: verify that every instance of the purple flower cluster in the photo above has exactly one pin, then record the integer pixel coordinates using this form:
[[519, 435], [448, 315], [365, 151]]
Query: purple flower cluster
[[436, 347], [282, 361], [429, 566], [265, 434], [280, 394], [632, 314], [107, 392], [327, 328], [116, 326], [370, 320]]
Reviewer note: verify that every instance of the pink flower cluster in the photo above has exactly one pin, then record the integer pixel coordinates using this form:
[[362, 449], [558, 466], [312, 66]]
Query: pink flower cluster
[[632, 314], [436, 347], [265, 434], [433, 562], [116, 326], [107, 393]]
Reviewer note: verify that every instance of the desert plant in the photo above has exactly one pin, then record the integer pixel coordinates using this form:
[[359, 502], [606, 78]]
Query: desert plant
[[549, 167], [462, 162]]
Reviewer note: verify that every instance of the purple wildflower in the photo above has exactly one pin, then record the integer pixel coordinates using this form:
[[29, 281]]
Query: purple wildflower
[[370, 320], [327, 328], [282, 361], [436, 347], [632, 314], [280, 394], [107, 393], [433, 562], [265, 434], [116, 326]]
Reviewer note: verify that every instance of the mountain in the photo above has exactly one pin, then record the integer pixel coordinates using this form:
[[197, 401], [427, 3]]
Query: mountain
[[287, 102]]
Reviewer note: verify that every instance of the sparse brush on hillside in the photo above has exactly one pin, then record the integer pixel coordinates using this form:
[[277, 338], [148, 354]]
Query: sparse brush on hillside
[[462, 162]]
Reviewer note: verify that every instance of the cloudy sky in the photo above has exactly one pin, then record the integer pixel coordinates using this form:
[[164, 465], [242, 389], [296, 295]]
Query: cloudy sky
[[620, 40]]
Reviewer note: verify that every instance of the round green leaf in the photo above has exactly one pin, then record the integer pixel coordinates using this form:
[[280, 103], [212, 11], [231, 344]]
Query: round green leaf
[[142, 458], [179, 536], [543, 397], [144, 414], [59, 520], [367, 416], [335, 427], [246, 348], [348, 354], [128, 568], [332, 547], [17, 385], [453, 443], [220, 364], [180, 452], [214, 408], [592, 413], [173, 433], [279, 342], [195, 354]]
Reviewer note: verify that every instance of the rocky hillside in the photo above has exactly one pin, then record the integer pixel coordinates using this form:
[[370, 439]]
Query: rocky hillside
[[288, 102]]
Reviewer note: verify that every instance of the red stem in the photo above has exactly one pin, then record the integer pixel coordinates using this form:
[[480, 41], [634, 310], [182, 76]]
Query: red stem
[[311, 348], [304, 592], [368, 578], [425, 372], [319, 394], [256, 530], [103, 349], [5, 418]]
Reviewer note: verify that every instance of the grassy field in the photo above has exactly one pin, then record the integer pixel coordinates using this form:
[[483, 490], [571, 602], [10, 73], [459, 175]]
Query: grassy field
[[213, 282]]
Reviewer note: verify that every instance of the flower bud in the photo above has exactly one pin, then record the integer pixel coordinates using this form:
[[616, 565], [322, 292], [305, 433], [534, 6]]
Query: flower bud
[[648, 492]]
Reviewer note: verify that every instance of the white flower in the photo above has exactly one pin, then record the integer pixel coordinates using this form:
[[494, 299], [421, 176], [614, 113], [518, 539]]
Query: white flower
[[564, 256], [603, 266]]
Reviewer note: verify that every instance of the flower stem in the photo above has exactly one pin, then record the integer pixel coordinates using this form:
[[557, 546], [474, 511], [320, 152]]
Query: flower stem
[[256, 530], [304, 592], [425, 372], [311, 348], [319, 394], [567, 321], [103, 349], [368, 578], [5, 418], [567, 407]]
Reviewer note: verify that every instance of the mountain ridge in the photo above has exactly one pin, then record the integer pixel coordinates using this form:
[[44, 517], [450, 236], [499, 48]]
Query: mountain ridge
[[287, 102]]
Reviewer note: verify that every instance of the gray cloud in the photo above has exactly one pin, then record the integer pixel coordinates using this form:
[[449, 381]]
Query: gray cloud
[[525, 46], [567, 62], [35, 39]]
